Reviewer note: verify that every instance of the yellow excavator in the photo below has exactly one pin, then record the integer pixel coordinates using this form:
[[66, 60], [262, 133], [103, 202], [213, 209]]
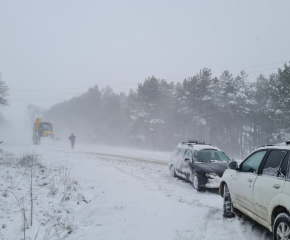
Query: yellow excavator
[[41, 129]]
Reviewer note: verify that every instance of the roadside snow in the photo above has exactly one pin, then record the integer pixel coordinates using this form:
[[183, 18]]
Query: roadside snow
[[36, 200]]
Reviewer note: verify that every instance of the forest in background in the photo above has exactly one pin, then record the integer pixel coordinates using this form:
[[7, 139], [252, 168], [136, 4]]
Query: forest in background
[[4, 93], [233, 113]]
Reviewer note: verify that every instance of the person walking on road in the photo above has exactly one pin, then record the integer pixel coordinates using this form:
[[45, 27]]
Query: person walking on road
[[72, 139]]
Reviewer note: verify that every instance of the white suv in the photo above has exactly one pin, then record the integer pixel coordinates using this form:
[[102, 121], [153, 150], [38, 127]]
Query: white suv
[[260, 188]]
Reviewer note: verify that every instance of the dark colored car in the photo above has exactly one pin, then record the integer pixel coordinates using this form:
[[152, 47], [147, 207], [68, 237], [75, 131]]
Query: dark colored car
[[200, 163]]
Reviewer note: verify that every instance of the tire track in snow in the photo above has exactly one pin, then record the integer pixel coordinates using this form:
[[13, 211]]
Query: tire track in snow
[[164, 183], [118, 156], [129, 158], [243, 228], [216, 226], [189, 200]]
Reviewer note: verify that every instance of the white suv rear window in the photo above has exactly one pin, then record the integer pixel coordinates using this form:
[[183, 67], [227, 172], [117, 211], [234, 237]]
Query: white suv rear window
[[273, 162]]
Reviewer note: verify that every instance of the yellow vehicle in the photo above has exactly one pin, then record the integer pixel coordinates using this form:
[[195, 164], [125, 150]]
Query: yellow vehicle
[[41, 129]]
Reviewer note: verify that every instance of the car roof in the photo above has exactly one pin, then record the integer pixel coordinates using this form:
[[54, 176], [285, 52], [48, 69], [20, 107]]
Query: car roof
[[196, 146]]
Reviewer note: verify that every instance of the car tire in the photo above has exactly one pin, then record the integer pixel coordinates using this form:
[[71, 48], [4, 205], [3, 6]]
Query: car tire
[[195, 182], [282, 227], [228, 205], [172, 171]]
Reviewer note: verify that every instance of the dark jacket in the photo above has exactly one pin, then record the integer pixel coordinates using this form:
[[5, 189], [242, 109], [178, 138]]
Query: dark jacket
[[72, 137]]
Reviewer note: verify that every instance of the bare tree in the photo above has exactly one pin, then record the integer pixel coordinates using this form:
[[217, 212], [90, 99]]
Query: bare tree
[[3, 93]]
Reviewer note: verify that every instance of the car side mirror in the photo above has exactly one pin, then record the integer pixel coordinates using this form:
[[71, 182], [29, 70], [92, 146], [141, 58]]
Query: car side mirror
[[186, 159], [233, 165]]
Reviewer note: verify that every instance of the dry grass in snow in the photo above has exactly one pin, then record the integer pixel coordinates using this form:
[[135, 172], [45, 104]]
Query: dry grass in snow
[[36, 201]]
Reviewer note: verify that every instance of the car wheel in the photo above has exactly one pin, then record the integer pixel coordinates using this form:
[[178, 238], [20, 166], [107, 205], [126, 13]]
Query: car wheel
[[195, 182], [282, 227], [227, 208], [172, 171]]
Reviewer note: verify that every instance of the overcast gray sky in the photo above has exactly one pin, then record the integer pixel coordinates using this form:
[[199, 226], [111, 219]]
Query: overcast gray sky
[[53, 50]]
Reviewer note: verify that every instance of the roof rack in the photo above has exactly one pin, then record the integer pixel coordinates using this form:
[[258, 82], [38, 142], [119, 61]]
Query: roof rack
[[278, 144], [196, 142], [268, 145]]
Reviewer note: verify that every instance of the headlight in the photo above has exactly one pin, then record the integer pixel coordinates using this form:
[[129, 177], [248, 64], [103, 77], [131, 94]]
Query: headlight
[[211, 175]]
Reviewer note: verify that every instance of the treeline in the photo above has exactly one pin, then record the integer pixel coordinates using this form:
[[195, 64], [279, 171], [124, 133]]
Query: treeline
[[4, 93], [230, 112]]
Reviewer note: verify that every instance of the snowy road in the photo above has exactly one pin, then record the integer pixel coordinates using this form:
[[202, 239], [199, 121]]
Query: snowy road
[[134, 197]]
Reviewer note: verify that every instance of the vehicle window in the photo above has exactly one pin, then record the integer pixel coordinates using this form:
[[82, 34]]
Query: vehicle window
[[284, 170], [210, 155], [46, 126], [252, 163], [187, 154], [273, 162], [181, 153], [175, 152]]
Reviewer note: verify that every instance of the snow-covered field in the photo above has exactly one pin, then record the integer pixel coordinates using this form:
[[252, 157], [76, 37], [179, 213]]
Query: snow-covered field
[[117, 194]]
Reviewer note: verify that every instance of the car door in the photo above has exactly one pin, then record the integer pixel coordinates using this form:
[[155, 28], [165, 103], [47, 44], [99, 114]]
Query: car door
[[174, 157], [179, 162], [285, 171], [244, 179], [185, 168], [269, 182]]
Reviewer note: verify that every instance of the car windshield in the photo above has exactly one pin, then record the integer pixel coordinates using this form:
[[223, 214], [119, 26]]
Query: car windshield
[[210, 155]]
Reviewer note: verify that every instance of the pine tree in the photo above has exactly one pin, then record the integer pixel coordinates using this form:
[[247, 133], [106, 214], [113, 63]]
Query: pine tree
[[3, 93]]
